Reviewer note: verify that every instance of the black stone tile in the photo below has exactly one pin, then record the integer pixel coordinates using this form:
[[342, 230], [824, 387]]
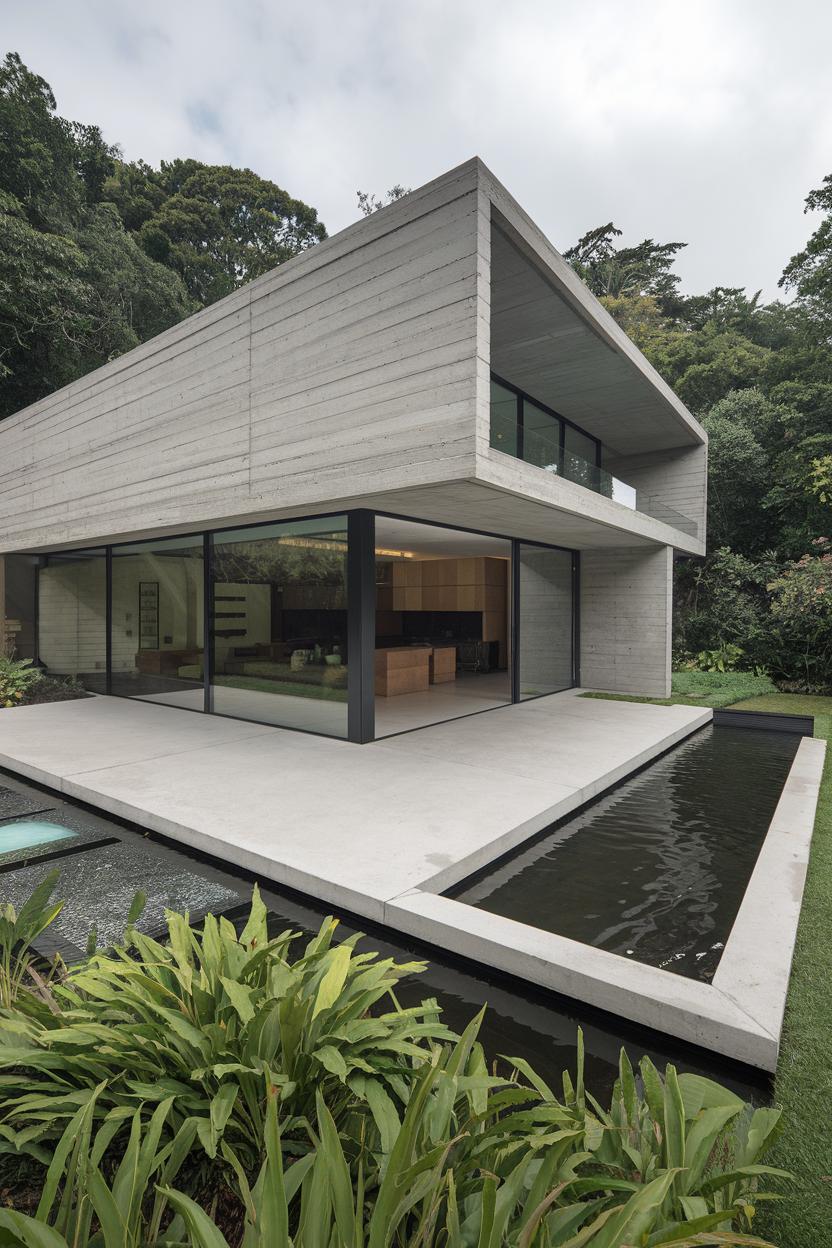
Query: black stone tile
[[98, 886], [13, 803]]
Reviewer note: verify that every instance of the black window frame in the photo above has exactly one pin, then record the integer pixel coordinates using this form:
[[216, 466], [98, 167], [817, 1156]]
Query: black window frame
[[523, 397], [361, 605]]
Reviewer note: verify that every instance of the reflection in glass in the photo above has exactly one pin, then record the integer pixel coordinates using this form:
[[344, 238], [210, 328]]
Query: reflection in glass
[[72, 616], [443, 641], [545, 633], [580, 444], [504, 419], [541, 437], [21, 574], [157, 621], [280, 624]]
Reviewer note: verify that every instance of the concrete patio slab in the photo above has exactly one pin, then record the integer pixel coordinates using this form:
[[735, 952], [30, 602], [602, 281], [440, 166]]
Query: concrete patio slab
[[49, 742], [381, 830], [354, 826]]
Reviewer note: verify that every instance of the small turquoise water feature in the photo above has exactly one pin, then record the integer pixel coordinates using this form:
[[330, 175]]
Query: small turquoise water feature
[[26, 834]]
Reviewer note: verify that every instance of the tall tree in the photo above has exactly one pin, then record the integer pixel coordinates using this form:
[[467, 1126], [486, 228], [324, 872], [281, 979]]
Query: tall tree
[[613, 271], [220, 227], [37, 150], [809, 272], [97, 255]]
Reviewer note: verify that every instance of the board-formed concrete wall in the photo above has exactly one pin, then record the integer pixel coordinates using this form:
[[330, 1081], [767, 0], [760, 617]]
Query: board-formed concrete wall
[[545, 634], [626, 620], [350, 368], [677, 479]]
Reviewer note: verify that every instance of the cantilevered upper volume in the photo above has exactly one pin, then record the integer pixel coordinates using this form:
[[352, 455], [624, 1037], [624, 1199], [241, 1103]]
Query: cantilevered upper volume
[[470, 485], [360, 374]]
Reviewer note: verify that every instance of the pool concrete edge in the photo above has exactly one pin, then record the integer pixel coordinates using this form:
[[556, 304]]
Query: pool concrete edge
[[488, 853], [738, 1015], [685, 1008], [755, 966]]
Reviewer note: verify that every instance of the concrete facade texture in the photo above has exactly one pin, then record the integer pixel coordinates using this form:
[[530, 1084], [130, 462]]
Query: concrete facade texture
[[626, 620], [358, 374]]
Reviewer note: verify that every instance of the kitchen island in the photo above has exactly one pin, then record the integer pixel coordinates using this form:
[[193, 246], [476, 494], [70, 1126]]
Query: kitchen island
[[412, 668]]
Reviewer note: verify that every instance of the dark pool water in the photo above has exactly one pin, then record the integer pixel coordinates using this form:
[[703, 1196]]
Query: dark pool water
[[111, 859], [655, 870]]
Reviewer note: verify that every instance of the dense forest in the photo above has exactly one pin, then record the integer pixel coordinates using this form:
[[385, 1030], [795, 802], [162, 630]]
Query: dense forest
[[98, 254]]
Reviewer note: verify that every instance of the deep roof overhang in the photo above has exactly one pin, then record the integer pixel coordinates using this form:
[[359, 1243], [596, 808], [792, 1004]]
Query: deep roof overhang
[[552, 338]]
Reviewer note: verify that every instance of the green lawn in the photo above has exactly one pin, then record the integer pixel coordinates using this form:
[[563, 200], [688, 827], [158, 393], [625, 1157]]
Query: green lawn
[[803, 1083], [702, 689], [804, 1074]]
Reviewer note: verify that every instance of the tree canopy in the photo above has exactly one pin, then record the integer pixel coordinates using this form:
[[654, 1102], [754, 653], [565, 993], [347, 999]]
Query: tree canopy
[[759, 377], [98, 254]]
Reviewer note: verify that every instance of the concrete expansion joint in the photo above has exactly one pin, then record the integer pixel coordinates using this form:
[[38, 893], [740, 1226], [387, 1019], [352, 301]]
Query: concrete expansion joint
[[150, 758]]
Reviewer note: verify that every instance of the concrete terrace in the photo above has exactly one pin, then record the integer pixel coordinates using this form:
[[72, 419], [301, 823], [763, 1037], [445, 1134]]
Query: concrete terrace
[[354, 827], [382, 830]]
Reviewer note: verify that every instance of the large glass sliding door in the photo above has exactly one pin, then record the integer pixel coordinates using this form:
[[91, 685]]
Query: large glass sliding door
[[72, 616], [442, 624], [545, 644], [279, 599], [255, 622], [158, 642]]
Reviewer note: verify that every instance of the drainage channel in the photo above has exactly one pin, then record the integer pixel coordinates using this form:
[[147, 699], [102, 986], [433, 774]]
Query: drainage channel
[[106, 861]]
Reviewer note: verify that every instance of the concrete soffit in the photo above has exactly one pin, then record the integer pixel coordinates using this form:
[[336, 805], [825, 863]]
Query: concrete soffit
[[515, 224]]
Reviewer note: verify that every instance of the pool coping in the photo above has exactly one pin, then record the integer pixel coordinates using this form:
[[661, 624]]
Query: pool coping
[[739, 1014]]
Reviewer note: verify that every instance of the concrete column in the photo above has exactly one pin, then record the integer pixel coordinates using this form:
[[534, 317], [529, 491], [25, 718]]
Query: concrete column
[[627, 619]]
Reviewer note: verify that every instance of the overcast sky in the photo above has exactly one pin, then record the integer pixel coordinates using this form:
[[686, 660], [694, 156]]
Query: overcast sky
[[705, 122]]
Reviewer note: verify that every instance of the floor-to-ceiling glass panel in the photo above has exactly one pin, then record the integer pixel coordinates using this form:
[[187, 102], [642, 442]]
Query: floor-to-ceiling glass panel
[[442, 624], [18, 575], [157, 621], [545, 631], [504, 419], [579, 460], [280, 624], [541, 437], [72, 616]]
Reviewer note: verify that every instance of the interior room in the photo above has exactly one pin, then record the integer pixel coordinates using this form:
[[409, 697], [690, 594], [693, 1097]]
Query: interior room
[[443, 621], [254, 622]]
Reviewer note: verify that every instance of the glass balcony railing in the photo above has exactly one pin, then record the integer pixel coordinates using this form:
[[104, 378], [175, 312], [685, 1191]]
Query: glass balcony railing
[[543, 450]]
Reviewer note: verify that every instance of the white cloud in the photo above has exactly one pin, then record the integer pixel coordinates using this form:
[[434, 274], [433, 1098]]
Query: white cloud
[[705, 123]]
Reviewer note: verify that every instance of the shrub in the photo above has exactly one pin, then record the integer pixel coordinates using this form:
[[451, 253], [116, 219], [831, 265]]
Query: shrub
[[54, 689], [725, 659], [200, 1018], [723, 601], [801, 610], [18, 931], [336, 1117], [17, 677]]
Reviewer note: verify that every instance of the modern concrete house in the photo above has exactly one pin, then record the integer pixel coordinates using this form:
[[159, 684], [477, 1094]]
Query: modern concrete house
[[415, 473]]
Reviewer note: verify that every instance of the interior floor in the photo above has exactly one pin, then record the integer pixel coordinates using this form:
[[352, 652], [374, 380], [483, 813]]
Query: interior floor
[[468, 693]]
